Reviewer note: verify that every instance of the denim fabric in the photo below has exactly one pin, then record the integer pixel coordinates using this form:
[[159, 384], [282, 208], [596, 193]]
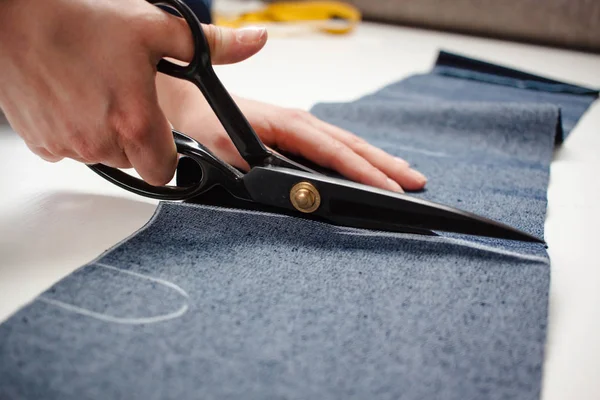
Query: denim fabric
[[219, 303], [471, 68], [456, 80]]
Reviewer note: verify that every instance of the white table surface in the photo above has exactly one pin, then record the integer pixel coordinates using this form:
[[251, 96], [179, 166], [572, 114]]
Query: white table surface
[[56, 217]]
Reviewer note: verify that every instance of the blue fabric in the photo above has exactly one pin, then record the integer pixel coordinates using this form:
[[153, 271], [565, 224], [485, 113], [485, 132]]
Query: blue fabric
[[218, 303], [471, 68]]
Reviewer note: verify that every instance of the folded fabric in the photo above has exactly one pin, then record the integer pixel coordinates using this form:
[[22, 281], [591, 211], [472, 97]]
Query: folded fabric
[[224, 303]]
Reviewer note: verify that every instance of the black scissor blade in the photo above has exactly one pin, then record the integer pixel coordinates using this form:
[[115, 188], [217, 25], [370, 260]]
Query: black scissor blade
[[352, 204]]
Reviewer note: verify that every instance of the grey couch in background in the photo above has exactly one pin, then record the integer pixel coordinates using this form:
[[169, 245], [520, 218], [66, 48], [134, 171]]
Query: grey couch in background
[[564, 23]]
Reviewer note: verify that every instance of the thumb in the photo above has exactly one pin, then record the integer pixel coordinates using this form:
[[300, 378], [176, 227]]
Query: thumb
[[227, 45]]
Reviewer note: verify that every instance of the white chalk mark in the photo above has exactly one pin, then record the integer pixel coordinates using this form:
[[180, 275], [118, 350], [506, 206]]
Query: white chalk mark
[[234, 210], [126, 321], [116, 320], [479, 246], [422, 151], [460, 242], [157, 280]]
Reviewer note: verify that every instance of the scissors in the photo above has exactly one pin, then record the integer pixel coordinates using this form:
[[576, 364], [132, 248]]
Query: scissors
[[277, 183]]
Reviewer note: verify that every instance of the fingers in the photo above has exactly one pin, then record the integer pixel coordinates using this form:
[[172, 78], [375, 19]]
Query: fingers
[[103, 147], [396, 168], [43, 153], [149, 146], [173, 38], [228, 46], [302, 138], [135, 140], [95, 99], [299, 132]]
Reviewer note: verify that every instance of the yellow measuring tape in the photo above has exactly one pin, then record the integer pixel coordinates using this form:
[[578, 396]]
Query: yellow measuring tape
[[328, 16]]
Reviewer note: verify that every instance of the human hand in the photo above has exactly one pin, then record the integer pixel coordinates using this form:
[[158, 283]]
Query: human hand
[[78, 78], [294, 131]]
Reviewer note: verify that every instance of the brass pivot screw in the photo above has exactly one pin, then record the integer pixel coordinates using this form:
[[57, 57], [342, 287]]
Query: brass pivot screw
[[305, 197]]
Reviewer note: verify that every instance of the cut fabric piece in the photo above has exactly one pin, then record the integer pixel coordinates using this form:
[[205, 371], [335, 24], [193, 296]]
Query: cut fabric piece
[[221, 303], [449, 63], [456, 79]]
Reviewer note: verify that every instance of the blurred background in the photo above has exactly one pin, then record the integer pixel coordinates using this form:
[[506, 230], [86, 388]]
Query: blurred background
[[572, 24]]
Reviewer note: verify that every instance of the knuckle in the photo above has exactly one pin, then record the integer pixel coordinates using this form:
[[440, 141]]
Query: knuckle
[[25, 135], [81, 146], [49, 158], [100, 152], [40, 152], [56, 148], [358, 142], [87, 149], [214, 36], [132, 127], [147, 23], [359, 147], [160, 177], [91, 152], [331, 151], [297, 114], [116, 157], [338, 147]]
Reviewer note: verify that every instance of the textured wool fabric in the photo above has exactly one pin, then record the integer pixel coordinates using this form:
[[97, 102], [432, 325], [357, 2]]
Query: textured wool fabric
[[218, 303]]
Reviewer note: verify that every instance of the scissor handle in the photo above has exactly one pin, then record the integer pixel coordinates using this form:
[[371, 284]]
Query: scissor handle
[[213, 172], [200, 72], [201, 60]]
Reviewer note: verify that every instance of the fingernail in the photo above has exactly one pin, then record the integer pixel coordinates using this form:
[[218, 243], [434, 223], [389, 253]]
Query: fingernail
[[394, 186], [403, 162], [251, 34], [418, 176]]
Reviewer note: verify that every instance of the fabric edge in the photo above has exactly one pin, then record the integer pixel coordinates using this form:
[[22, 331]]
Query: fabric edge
[[144, 227], [452, 60]]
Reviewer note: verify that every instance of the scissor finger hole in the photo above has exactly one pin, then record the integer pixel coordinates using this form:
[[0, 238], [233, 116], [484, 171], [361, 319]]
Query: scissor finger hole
[[190, 185], [189, 173], [173, 11], [189, 19]]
